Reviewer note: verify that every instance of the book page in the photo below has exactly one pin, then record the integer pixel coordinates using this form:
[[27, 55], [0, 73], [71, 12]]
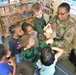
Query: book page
[[48, 29]]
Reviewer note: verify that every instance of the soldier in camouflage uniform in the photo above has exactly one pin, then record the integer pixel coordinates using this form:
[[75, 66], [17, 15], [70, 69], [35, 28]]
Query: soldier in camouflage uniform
[[65, 27]]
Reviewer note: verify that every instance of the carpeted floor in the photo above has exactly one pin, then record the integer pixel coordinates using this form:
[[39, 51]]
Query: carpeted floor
[[68, 65]]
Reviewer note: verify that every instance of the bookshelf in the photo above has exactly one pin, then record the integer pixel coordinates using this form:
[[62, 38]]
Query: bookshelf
[[20, 11], [13, 13]]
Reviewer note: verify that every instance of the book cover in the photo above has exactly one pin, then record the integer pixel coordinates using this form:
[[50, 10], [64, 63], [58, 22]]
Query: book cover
[[48, 28]]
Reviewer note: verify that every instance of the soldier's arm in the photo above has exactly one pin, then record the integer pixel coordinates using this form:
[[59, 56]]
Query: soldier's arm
[[74, 40], [74, 43]]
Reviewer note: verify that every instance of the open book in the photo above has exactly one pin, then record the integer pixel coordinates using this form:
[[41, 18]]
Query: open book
[[49, 30]]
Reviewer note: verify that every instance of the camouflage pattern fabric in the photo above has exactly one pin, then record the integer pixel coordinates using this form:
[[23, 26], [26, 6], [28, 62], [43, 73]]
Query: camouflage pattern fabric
[[66, 30]]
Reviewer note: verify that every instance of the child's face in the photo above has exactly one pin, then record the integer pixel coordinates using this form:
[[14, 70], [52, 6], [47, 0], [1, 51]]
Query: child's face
[[38, 14], [19, 31], [31, 42], [30, 30]]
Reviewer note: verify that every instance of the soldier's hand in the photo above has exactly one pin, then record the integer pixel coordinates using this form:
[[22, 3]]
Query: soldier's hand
[[53, 27]]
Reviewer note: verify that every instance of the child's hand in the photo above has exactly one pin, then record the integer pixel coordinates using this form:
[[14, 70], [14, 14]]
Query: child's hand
[[40, 35], [47, 35], [53, 27], [50, 41], [11, 62]]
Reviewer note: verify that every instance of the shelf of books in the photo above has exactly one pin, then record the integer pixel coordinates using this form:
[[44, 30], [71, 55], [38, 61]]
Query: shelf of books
[[14, 11]]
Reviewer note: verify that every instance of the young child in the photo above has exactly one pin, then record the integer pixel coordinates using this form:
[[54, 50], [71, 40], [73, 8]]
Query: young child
[[39, 22], [28, 29], [14, 45], [48, 60], [29, 52], [25, 68], [7, 66]]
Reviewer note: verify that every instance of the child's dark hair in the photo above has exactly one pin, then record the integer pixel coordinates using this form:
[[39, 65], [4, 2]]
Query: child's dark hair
[[47, 56], [12, 28], [24, 25], [3, 51], [25, 68]]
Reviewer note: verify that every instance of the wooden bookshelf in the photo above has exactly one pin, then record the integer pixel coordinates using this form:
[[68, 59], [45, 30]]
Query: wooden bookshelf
[[14, 22], [16, 12], [11, 14], [9, 4]]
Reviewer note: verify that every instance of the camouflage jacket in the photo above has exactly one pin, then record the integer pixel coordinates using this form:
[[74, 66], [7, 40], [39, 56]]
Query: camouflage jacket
[[66, 30]]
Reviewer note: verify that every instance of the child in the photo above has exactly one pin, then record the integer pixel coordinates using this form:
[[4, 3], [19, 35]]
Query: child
[[48, 60], [14, 45], [25, 68], [29, 52], [39, 22], [29, 30], [7, 66]]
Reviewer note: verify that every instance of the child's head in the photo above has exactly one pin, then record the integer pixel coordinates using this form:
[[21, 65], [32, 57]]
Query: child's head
[[25, 68], [26, 41], [47, 56], [36, 9], [4, 52], [16, 30], [28, 29]]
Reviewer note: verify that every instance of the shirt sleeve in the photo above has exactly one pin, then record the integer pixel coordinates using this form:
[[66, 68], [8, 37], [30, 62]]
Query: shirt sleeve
[[41, 46], [6, 69], [39, 29]]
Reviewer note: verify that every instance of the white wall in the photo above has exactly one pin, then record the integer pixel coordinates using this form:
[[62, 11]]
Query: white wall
[[57, 3]]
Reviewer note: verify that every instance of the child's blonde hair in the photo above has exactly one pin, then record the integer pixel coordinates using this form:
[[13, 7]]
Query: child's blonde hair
[[24, 40], [35, 7]]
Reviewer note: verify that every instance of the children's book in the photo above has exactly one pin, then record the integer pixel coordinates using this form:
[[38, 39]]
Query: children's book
[[48, 28]]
